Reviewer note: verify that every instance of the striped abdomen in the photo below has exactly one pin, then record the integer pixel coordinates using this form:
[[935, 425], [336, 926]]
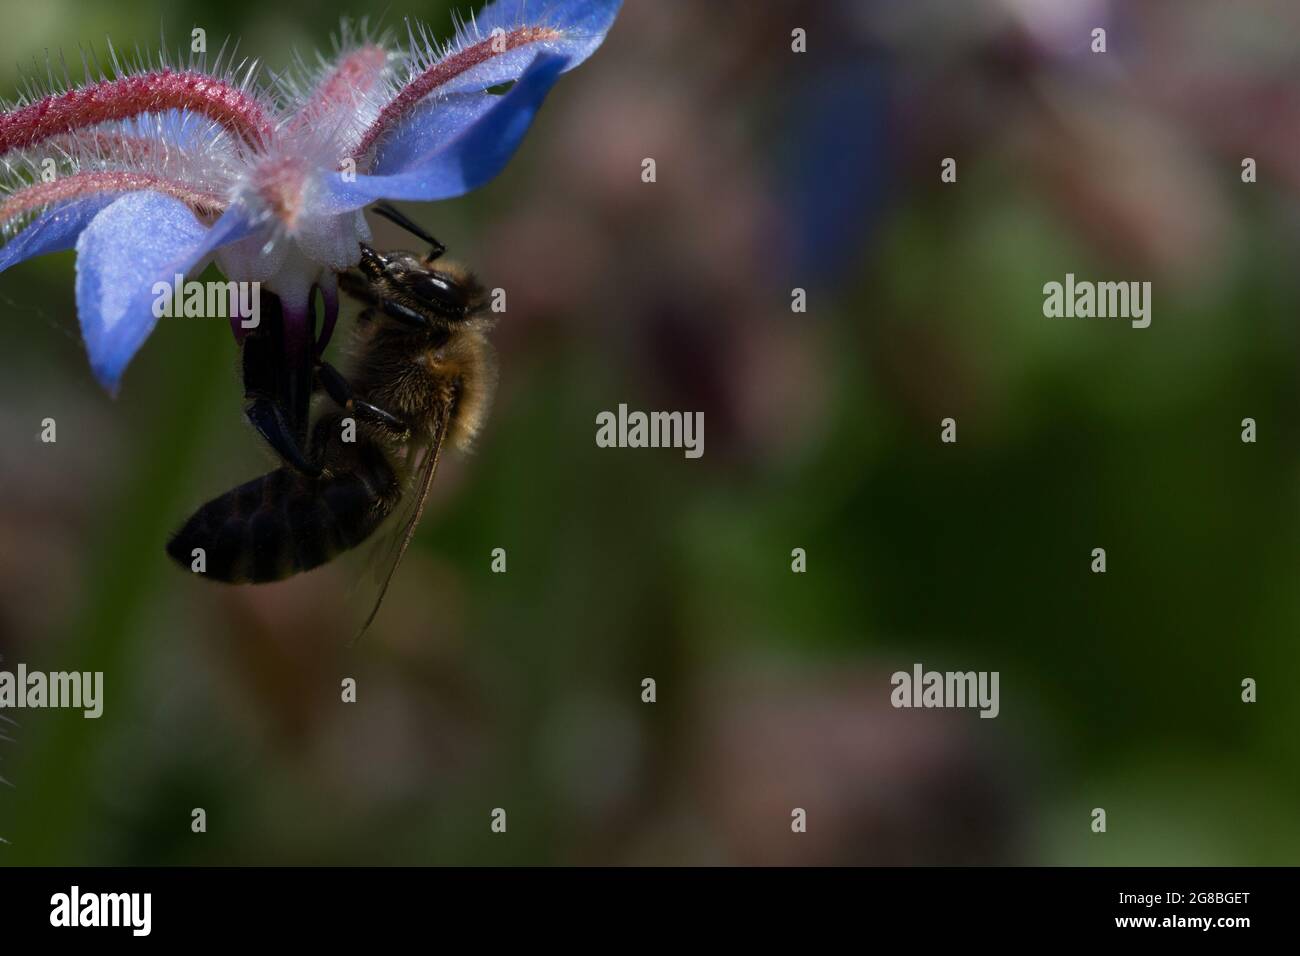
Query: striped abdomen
[[283, 522]]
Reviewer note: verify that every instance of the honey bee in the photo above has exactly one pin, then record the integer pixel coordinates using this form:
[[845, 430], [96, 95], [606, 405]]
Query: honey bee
[[422, 374]]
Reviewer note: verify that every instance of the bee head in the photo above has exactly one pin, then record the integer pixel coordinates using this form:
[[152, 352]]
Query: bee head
[[444, 293]]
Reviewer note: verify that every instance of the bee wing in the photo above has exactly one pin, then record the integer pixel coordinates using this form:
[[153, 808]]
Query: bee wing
[[387, 552]]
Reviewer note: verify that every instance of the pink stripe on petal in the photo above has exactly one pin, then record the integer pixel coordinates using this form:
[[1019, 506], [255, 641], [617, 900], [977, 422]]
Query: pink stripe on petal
[[39, 195], [355, 75], [443, 72], [128, 149], [130, 96]]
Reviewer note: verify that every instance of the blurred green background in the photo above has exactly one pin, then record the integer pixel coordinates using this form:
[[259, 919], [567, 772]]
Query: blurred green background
[[523, 690]]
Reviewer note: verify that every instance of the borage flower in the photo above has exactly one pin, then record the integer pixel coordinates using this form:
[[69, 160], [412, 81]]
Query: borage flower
[[152, 172]]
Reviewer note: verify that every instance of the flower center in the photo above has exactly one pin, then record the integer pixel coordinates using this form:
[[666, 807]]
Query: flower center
[[279, 182]]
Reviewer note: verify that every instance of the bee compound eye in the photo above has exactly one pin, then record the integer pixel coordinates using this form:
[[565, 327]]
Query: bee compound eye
[[441, 294]]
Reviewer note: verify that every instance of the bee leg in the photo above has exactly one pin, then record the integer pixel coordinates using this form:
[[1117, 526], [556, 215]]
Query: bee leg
[[357, 287], [337, 387], [267, 417], [403, 314]]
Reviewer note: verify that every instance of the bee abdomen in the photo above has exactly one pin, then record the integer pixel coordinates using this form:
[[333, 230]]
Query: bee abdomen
[[282, 523]]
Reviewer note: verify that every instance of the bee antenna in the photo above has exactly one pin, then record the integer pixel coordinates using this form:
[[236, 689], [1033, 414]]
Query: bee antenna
[[397, 217]]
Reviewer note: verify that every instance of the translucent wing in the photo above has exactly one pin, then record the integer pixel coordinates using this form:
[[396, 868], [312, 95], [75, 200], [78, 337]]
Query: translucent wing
[[394, 537]]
